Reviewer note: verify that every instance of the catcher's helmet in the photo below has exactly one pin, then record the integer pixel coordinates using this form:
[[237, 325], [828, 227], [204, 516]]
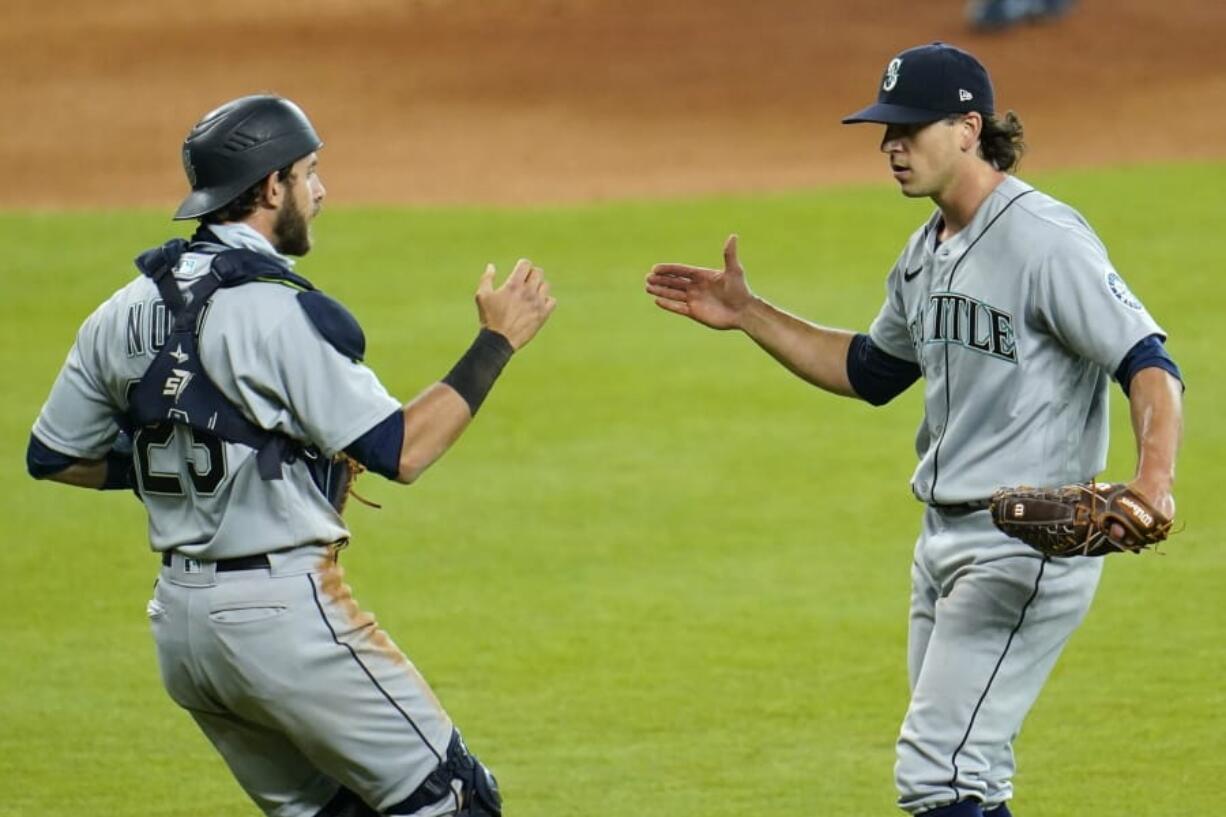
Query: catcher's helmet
[[236, 145]]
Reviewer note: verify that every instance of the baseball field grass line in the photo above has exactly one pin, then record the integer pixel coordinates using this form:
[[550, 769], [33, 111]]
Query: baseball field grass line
[[659, 575]]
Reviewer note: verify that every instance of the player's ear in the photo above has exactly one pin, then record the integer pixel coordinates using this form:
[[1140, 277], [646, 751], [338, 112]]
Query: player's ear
[[271, 191], [970, 128]]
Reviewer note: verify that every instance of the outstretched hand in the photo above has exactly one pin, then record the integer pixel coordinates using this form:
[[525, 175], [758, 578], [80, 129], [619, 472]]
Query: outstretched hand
[[519, 307], [714, 298]]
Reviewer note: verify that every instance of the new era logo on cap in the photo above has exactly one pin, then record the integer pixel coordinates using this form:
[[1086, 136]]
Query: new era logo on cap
[[927, 83]]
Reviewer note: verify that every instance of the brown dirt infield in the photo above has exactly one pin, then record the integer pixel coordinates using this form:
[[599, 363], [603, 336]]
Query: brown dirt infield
[[522, 101]]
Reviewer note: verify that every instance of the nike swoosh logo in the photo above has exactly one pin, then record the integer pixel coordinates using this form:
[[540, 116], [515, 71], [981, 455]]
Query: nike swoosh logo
[[909, 276]]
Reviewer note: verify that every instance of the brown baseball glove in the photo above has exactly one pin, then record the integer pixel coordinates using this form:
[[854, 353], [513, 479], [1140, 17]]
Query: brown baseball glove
[[1077, 520], [349, 471]]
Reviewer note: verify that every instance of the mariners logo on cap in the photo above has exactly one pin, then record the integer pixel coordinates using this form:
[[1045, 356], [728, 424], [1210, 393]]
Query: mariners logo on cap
[[891, 74]]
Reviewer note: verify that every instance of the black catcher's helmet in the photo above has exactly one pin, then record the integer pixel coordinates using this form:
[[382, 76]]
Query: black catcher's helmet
[[236, 145]]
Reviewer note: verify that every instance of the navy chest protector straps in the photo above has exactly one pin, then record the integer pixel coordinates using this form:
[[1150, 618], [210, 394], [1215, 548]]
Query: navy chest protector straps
[[175, 388]]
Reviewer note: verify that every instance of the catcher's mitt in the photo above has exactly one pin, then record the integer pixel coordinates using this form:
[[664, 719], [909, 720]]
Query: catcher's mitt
[[1077, 520], [347, 470]]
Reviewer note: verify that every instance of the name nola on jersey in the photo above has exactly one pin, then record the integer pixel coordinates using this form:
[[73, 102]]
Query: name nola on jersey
[[149, 325], [949, 317]]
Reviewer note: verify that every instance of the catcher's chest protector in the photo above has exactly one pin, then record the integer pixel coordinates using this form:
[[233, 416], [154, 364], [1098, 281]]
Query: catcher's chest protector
[[175, 388]]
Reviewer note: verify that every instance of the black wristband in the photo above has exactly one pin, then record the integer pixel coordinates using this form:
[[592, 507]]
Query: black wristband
[[119, 472], [474, 375]]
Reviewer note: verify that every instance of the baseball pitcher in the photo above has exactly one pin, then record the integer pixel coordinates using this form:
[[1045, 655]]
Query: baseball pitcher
[[1005, 303]]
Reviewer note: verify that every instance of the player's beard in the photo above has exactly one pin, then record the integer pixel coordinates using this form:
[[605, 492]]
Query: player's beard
[[291, 233]]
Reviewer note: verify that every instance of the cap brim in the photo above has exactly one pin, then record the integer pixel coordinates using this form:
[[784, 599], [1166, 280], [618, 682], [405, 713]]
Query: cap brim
[[887, 114]]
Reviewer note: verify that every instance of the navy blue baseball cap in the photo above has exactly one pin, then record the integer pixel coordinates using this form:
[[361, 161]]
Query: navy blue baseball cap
[[927, 83]]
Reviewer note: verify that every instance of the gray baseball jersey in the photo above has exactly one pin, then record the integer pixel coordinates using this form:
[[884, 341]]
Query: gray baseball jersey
[[1017, 323], [267, 357]]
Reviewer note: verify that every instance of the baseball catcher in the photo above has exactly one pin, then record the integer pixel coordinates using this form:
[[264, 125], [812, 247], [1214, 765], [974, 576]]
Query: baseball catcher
[[1093, 519], [247, 411]]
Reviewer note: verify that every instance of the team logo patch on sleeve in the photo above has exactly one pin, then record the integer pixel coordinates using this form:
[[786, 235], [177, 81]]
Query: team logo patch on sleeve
[[1121, 291]]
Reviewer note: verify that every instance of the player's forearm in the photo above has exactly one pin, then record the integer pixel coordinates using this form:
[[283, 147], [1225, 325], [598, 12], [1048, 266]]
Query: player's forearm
[[433, 421], [1156, 402], [813, 353], [83, 474], [437, 417], [45, 462]]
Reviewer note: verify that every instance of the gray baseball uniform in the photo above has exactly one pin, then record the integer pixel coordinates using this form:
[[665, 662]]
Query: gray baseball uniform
[[1016, 322], [268, 358], [299, 690]]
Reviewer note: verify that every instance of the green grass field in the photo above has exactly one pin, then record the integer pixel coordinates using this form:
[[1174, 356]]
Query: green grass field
[[658, 576]]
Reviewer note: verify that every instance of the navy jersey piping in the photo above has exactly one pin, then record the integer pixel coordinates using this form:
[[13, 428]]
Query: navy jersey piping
[[949, 284], [953, 780], [366, 671]]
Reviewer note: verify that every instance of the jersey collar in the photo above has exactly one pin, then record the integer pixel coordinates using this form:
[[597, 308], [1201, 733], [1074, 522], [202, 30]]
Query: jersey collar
[[1009, 189], [241, 236]]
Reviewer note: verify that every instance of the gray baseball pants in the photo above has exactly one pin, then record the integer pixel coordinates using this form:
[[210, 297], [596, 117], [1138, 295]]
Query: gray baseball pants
[[299, 690], [989, 617]]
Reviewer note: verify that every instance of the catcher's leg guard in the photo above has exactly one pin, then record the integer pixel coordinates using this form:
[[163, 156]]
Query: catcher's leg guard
[[346, 804], [967, 808], [478, 795]]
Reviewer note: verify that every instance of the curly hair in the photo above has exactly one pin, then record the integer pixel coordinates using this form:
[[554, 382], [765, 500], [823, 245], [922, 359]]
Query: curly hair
[[246, 202], [1000, 141]]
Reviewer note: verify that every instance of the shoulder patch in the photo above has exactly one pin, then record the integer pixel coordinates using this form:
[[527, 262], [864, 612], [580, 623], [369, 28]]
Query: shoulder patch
[[1121, 291], [335, 323]]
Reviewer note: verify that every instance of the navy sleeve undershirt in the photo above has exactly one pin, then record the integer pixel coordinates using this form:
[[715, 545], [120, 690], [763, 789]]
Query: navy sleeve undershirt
[[876, 376], [43, 461], [379, 448], [1147, 353]]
